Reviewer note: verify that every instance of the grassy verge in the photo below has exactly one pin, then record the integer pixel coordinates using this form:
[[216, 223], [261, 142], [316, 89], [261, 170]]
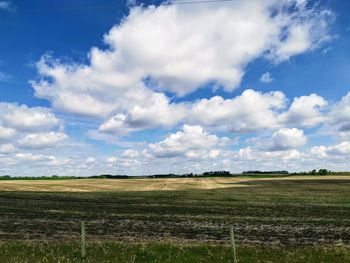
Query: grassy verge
[[14, 252]]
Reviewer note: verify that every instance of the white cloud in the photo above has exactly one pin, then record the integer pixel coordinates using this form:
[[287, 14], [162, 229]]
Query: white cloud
[[342, 148], [305, 111], [111, 160], [6, 133], [157, 111], [130, 153], [266, 77], [7, 148], [47, 160], [252, 111], [192, 142], [340, 115], [176, 48], [252, 158], [29, 127], [42, 140], [24, 118], [245, 153], [306, 32], [90, 161], [122, 162], [283, 139], [297, 42], [341, 110], [236, 34], [116, 125], [339, 149], [287, 139], [255, 159], [319, 151], [248, 112]]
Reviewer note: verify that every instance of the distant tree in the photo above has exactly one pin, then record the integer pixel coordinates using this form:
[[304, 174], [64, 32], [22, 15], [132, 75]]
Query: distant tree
[[217, 173], [323, 172], [313, 172], [266, 172]]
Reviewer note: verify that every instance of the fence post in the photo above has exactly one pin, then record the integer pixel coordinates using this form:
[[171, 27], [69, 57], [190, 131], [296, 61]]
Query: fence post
[[233, 245], [82, 240]]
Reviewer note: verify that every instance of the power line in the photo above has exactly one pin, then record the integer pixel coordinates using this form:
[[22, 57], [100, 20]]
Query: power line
[[112, 6]]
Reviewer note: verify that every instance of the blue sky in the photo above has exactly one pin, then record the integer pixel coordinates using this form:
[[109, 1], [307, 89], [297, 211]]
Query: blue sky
[[135, 87]]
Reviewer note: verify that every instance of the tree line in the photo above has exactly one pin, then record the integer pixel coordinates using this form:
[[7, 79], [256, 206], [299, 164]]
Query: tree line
[[222, 173]]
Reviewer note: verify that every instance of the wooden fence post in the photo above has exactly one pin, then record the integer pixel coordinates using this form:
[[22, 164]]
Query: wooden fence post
[[82, 240], [233, 245]]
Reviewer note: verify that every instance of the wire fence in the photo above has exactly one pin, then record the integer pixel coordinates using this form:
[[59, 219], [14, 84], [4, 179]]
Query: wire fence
[[176, 232]]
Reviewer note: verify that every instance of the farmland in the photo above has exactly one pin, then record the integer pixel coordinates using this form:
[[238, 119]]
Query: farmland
[[293, 213]]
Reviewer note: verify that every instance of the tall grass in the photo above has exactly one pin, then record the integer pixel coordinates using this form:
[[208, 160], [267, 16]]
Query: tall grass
[[17, 252]]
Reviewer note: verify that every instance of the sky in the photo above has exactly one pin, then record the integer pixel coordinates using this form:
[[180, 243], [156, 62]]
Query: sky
[[144, 87]]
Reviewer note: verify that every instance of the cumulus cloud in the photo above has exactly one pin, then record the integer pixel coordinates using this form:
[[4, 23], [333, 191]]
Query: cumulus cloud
[[177, 49], [156, 112], [24, 118], [42, 140], [256, 155], [319, 151], [287, 139], [6, 133], [192, 142], [248, 112], [339, 149], [341, 110], [342, 148], [116, 125], [339, 116], [23, 127], [217, 50], [283, 139], [246, 158], [189, 148], [305, 111], [252, 111]]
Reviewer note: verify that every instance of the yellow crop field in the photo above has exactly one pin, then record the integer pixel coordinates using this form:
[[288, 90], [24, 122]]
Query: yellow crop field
[[144, 184]]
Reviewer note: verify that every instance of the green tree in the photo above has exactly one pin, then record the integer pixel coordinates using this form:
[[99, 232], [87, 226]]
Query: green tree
[[323, 172], [313, 172]]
